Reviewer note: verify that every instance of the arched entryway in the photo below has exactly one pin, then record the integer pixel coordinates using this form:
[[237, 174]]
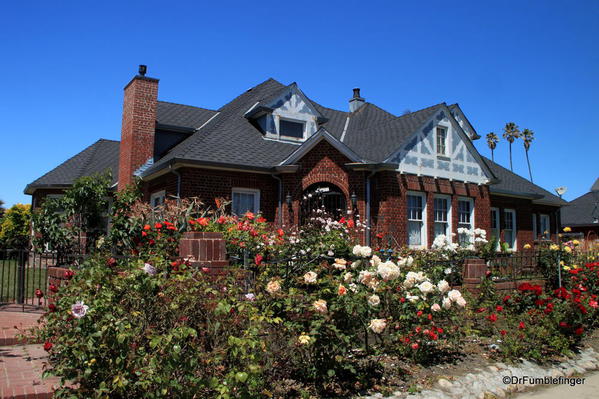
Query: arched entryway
[[324, 197]]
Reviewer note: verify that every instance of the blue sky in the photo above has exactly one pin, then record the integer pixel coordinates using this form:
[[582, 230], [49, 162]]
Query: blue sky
[[64, 65]]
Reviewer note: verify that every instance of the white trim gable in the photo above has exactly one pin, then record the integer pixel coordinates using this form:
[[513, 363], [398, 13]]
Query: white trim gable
[[462, 161], [309, 144]]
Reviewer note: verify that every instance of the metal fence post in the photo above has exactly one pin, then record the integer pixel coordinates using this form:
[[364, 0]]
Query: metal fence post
[[21, 277]]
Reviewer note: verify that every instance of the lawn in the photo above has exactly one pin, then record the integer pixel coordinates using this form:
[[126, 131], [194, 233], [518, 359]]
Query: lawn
[[35, 277]]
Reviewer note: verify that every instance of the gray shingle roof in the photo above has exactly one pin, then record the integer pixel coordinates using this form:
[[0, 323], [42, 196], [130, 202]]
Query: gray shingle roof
[[582, 210], [375, 134], [182, 115], [97, 158], [511, 183]]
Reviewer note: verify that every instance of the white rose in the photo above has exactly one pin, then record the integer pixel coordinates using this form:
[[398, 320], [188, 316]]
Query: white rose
[[377, 325], [340, 264], [375, 261], [366, 252], [310, 277], [320, 305], [365, 276], [453, 295], [461, 302], [443, 286], [388, 270], [347, 277], [374, 300], [446, 303], [426, 287], [353, 287], [412, 298], [435, 307]]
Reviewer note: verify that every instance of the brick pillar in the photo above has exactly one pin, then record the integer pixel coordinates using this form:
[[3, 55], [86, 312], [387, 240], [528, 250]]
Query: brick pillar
[[205, 250], [56, 276], [475, 269]]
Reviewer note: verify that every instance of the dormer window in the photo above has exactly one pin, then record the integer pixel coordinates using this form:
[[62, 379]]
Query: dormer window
[[291, 129], [441, 141]]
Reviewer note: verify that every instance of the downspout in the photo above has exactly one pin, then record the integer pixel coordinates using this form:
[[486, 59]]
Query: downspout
[[368, 222], [280, 198], [176, 173]]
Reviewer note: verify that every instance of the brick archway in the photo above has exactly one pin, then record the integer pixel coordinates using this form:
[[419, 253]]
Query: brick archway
[[324, 196]]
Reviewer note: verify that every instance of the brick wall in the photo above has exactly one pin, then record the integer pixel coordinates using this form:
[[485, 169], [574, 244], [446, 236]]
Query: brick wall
[[390, 202], [524, 224], [138, 126]]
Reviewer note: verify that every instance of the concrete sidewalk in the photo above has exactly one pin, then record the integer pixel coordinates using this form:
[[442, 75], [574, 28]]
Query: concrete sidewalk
[[588, 390]]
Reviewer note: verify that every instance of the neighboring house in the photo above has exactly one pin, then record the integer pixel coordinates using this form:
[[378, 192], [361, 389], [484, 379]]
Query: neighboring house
[[582, 214], [274, 150]]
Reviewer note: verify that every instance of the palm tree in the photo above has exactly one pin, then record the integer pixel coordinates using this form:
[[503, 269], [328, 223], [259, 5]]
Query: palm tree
[[492, 141], [511, 133], [528, 136]]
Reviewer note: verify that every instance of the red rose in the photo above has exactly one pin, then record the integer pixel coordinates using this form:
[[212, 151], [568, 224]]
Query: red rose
[[579, 331], [203, 221], [350, 224], [402, 299], [147, 227], [521, 325], [158, 225], [221, 220], [205, 269], [380, 235], [492, 318], [430, 316], [258, 259], [144, 234], [48, 346], [249, 215], [502, 332], [111, 262], [415, 346], [499, 308], [53, 288], [419, 313], [563, 324], [39, 293], [342, 220], [480, 310], [506, 298], [261, 220], [280, 232], [52, 307], [68, 274]]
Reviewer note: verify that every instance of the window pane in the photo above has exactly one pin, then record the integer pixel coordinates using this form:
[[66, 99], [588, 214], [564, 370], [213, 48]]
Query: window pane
[[441, 209], [414, 233], [441, 140], [414, 207], [464, 212], [291, 129], [440, 229], [243, 202]]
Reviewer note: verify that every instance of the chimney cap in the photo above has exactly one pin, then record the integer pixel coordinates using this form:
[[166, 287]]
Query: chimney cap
[[356, 92], [142, 70]]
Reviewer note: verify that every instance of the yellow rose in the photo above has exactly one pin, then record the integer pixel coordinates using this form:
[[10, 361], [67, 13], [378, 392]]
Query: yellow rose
[[273, 286], [566, 267], [304, 339], [527, 246], [574, 266], [320, 306], [568, 249], [554, 247], [567, 229], [576, 242]]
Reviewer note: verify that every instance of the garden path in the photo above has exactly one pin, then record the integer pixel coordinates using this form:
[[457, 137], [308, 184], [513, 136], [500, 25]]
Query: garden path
[[21, 364], [588, 390]]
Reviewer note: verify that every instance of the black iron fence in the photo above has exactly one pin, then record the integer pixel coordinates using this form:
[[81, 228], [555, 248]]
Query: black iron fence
[[22, 272]]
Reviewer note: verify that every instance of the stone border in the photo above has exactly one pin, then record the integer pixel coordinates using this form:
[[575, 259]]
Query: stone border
[[489, 382]]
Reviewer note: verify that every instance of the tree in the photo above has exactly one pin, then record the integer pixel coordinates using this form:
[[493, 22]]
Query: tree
[[15, 227], [528, 136], [1, 208], [492, 141], [511, 133]]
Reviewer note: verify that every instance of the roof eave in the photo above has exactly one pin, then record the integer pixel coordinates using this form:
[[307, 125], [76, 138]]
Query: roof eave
[[177, 163], [31, 188]]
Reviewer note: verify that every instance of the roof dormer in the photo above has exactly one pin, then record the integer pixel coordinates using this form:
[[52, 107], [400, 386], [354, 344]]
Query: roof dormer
[[287, 115]]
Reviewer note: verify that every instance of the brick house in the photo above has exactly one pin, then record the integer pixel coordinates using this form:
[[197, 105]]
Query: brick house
[[274, 150], [582, 214]]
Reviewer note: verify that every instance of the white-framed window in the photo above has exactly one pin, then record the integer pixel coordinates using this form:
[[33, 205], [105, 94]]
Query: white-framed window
[[495, 230], [416, 219], [244, 200], [441, 140], [535, 230], [545, 226], [157, 198], [442, 215], [465, 218], [509, 227], [291, 129]]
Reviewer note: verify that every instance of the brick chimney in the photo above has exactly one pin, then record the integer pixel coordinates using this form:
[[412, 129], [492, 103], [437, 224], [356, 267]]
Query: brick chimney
[[139, 124]]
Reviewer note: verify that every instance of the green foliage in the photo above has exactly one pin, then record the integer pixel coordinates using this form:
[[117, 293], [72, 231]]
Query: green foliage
[[124, 228], [82, 209], [15, 227]]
